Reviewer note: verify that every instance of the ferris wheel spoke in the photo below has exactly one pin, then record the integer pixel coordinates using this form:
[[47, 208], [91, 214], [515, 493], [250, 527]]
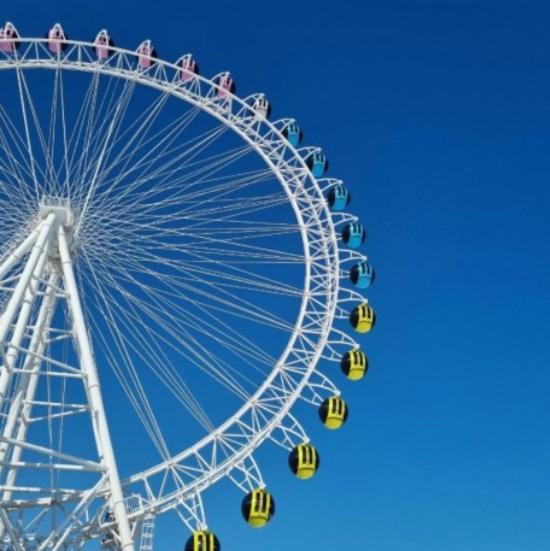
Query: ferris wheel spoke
[[134, 389], [27, 100], [146, 216], [23, 108], [159, 176], [230, 276], [197, 266], [95, 115], [188, 200], [184, 317], [180, 265], [20, 167], [134, 140], [13, 166], [102, 122], [64, 164], [203, 168], [223, 301], [97, 160], [161, 303], [140, 145], [80, 128], [181, 156], [132, 317], [114, 105], [138, 182], [51, 172], [154, 357]]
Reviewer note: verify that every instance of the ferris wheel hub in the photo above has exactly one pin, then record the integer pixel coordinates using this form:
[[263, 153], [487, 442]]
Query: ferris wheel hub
[[59, 207]]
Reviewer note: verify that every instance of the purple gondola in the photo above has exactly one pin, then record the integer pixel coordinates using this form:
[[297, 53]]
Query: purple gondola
[[189, 68], [8, 38], [103, 44], [146, 54], [225, 86], [56, 39]]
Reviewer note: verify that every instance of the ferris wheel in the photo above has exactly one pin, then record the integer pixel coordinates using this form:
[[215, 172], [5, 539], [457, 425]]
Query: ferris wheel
[[177, 275]]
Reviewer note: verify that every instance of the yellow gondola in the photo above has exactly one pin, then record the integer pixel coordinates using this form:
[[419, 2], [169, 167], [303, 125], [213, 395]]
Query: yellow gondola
[[354, 364], [304, 461], [362, 318], [258, 507], [333, 412], [203, 541]]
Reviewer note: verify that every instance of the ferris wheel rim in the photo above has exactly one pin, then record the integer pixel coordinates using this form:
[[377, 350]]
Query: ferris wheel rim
[[61, 61]]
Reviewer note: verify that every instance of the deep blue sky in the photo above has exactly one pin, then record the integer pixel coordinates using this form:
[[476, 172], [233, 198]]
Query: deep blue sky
[[435, 113]]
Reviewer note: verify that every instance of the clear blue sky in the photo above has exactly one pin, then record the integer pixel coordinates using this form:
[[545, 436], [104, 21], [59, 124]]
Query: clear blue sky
[[436, 115]]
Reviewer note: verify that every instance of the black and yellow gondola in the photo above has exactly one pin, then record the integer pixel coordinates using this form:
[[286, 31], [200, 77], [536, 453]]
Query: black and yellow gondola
[[203, 540], [258, 508], [304, 461], [354, 364], [333, 412], [362, 318]]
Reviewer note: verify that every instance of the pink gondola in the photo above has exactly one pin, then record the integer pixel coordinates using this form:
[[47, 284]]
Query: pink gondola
[[56, 39], [103, 44], [146, 54], [8, 39], [225, 86], [189, 68]]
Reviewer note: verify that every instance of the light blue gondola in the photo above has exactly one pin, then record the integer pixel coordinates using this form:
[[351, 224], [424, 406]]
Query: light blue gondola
[[317, 163], [354, 234], [362, 275], [338, 197], [293, 133]]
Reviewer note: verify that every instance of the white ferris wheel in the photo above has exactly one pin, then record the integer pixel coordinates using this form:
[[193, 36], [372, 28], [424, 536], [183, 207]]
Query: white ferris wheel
[[176, 274]]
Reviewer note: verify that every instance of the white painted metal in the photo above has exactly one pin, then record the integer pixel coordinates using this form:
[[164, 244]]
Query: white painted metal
[[227, 451], [12, 351], [23, 282], [21, 406], [147, 533], [99, 419], [15, 256]]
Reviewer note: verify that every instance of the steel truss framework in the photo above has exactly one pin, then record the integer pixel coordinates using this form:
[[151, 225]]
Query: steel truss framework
[[37, 273]]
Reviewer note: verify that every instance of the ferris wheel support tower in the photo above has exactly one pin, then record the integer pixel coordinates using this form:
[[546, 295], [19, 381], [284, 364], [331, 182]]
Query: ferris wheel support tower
[[49, 255]]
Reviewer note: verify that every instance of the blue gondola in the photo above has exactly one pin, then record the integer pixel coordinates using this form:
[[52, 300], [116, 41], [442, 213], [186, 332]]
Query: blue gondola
[[317, 163], [338, 197], [362, 275], [293, 133], [354, 234]]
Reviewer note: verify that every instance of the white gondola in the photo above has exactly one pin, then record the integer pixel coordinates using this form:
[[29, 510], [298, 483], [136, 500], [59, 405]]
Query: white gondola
[[262, 107]]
